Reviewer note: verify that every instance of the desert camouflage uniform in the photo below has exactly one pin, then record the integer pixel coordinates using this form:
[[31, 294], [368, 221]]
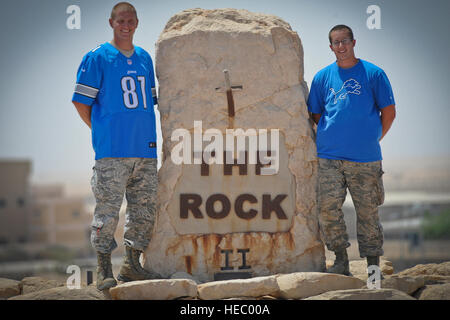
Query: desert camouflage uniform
[[112, 177], [364, 181]]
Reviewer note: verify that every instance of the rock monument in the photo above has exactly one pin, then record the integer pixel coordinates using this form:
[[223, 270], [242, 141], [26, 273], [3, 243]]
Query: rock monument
[[245, 208]]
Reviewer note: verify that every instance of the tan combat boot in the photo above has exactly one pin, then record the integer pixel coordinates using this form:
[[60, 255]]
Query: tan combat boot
[[131, 269], [105, 276]]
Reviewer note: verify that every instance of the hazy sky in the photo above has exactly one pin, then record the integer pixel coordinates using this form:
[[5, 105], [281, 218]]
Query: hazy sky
[[40, 57]]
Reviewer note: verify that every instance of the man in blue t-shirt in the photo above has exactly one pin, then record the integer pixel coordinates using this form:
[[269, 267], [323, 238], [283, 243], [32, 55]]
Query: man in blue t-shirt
[[115, 96], [352, 103]]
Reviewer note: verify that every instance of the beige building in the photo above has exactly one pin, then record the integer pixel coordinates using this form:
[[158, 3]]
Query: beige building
[[39, 216], [14, 200], [56, 219]]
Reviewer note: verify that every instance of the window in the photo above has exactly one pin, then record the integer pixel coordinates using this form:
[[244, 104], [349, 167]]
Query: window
[[20, 202], [22, 239], [2, 203]]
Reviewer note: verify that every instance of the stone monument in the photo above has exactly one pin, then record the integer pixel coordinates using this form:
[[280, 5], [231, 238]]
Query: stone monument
[[249, 209]]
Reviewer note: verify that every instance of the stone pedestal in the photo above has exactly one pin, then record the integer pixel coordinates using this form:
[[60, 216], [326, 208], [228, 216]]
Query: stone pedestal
[[221, 221]]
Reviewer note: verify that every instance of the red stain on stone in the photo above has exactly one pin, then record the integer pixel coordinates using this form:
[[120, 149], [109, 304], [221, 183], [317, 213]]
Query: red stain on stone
[[194, 245], [188, 263]]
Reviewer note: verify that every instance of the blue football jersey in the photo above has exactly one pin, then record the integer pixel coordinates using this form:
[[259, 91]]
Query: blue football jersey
[[121, 92]]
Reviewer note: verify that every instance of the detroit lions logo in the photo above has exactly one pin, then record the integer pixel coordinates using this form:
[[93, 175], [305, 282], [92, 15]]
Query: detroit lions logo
[[349, 86]]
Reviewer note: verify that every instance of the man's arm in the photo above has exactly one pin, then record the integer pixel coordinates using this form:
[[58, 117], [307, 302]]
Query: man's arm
[[316, 117], [387, 117], [84, 111]]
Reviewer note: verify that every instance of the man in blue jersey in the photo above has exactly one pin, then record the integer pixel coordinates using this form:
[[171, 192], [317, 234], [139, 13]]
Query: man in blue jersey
[[352, 103], [115, 96]]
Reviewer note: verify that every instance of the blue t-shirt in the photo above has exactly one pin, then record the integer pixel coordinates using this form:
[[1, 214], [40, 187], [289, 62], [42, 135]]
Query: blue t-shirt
[[350, 101], [119, 90]]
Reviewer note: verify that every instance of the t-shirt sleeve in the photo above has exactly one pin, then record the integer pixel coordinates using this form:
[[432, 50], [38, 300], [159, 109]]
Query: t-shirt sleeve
[[89, 79], [315, 100], [383, 91], [152, 82]]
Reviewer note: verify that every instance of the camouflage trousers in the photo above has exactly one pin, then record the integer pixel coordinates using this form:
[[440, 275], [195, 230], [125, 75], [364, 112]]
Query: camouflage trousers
[[364, 181], [112, 178]]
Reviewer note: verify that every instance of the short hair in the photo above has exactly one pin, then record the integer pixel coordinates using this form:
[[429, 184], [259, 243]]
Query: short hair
[[340, 27], [125, 6]]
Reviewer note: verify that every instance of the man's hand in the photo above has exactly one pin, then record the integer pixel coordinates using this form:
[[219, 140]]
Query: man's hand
[[387, 117], [84, 111]]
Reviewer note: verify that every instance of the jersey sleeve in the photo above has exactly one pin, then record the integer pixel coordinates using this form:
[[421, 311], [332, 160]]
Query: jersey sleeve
[[315, 100], [89, 79], [383, 91]]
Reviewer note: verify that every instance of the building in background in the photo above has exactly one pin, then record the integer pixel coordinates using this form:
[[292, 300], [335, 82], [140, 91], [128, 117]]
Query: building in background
[[58, 220], [14, 201], [39, 216]]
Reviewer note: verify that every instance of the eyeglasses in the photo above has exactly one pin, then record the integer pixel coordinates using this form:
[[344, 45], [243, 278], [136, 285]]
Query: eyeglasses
[[345, 42]]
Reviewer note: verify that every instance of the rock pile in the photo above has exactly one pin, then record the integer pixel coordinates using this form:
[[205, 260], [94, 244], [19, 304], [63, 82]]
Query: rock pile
[[422, 282]]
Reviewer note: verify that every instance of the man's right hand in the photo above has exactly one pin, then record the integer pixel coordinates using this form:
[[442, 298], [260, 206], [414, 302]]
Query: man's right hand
[[84, 111]]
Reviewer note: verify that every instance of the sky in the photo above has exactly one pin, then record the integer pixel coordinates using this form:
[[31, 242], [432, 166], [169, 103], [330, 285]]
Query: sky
[[40, 56]]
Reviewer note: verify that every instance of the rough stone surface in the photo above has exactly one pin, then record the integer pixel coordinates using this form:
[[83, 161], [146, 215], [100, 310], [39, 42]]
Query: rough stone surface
[[9, 288], [252, 298], [301, 285], [363, 294], [265, 56], [63, 293], [155, 290], [254, 287], [405, 284], [183, 275], [438, 269], [33, 284], [424, 285], [435, 279], [434, 292]]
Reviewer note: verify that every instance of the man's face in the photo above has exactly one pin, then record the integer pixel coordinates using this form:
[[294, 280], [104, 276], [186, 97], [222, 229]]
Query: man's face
[[342, 45], [124, 25]]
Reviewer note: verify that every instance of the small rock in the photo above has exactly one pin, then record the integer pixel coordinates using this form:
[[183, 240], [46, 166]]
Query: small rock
[[300, 285], [34, 284], [252, 298], [363, 294], [435, 292], [63, 293], [9, 288], [155, 290], [435, 279], [184, 275], [253, 287], [441, 269], [405, 284]]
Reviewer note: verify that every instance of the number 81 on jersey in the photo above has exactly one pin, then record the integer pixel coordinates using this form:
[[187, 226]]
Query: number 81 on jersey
[[130, 97]]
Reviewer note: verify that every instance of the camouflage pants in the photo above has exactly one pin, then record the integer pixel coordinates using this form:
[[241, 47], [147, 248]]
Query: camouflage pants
[[364, 181], [112, 178]]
